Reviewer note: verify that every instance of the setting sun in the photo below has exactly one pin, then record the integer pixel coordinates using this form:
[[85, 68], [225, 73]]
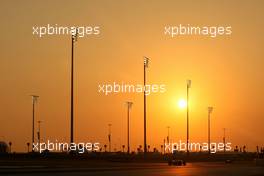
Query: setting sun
[[182, 103]]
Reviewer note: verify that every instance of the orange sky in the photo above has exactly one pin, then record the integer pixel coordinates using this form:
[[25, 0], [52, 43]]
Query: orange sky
[[226, 71]]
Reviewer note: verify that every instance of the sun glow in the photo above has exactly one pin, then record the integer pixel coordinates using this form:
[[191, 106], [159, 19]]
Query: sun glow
[[182, 103]]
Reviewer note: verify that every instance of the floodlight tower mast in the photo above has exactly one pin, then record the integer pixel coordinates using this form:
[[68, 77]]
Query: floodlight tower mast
[[129, 106], [210, 110], [189, 82], [146, 62], [74, 37], [34, 100]]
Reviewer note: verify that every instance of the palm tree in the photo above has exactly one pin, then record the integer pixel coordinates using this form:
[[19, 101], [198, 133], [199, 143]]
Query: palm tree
[[148, 148], [155, 150], [105, 147], [10, 144], [28, 146], [123, 146], [140, 148], [244, 149]]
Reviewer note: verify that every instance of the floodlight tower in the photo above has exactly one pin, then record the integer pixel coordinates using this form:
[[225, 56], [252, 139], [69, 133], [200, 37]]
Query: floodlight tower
[[189, 82], [74, 37], [146, 62], [210, 110], [34, 100], [129, 106]]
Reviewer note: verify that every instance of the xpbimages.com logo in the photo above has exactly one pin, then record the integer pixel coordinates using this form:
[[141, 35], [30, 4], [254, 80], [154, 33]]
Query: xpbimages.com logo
[[80, 147], [201, 147], [48, 29], [114, 87], [210, 31]]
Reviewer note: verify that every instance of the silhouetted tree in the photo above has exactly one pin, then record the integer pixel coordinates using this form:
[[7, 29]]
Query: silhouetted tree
[[244, 149], [28, 146], [123, 146], [140, 148], [105, 147], [10, 145]]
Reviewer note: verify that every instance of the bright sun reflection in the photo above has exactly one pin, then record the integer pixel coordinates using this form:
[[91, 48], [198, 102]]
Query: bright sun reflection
[[182, 103]]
